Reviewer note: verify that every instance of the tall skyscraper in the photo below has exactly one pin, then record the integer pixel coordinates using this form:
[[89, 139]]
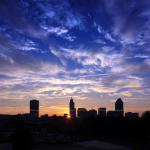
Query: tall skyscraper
[[119, 106], [34, 109], [72, 109]]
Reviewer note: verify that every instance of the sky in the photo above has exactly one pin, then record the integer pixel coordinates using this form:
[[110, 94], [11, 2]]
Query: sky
[[92, 50]]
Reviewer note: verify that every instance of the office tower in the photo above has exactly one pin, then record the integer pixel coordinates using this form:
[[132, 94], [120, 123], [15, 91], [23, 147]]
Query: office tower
[[113, 114], [92, 113], [82, 112], [131, 115], [34, 109], [119, 107], [146, 114], [72, 109], [102, 112]]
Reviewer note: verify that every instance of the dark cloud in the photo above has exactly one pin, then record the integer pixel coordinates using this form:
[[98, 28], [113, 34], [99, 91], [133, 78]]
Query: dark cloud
[[12, 15], [130, 17]]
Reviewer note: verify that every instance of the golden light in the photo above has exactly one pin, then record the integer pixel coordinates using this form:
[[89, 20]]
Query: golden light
[[68, 117]]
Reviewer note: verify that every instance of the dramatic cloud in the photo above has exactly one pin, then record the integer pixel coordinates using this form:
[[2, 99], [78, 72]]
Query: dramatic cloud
[[95, 51]]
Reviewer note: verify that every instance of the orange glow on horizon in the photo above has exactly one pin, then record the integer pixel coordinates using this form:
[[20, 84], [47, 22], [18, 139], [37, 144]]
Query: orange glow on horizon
[[62, 109], [68, 117]]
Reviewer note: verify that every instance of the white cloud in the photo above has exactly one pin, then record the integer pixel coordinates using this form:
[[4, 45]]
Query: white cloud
[[109, 37], [86, 57], [105, 34], [69, 37], [99, 29], [56, 30]]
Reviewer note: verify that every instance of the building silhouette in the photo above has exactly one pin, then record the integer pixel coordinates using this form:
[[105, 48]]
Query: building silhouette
[[102, 112], [65, 116], [131, 115], [72, 109], [92, 113], [82, 112], [119, 107], [113, 114], [34, 109], [146, 114]]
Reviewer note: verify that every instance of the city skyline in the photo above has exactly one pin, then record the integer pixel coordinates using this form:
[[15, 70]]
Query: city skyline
[[93, 51], [80, 112], [73, 110]]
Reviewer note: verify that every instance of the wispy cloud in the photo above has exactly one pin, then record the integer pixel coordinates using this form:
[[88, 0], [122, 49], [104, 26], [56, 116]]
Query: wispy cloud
[[56, 30]]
